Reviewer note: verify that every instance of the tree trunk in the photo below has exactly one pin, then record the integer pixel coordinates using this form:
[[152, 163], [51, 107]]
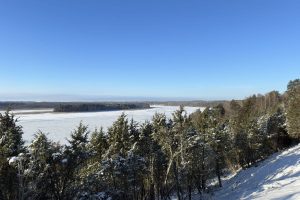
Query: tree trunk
[[168, 170], [177, 181], [152, 192], [190, 192], [218, 173], [203, 181]]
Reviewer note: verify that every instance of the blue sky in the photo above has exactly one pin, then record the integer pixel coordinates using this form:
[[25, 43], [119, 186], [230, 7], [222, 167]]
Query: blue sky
[[216, 49]]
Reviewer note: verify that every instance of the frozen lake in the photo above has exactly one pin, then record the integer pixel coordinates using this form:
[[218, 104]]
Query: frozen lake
[[58, 126]]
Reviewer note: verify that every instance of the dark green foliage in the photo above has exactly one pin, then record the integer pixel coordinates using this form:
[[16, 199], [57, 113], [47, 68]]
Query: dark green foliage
[[293, 109], [92, 107], [40, 165], [119, 137], [10, 135], [98, 144], [11, 145]]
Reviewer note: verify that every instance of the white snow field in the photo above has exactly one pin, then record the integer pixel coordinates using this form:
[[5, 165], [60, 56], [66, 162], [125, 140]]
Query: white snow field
[[276, 178], [58, 126]]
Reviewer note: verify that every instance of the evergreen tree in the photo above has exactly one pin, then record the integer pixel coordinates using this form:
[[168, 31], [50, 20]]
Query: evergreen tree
[[119, 137], [165, 137], [293, 109], [277, 131], [11, 142], [202, 126], [11, 146], [219, 138], [38, 176], [67, 163], [98, 144], [240, 126], [90, 173], [133, 131], [155, 159]]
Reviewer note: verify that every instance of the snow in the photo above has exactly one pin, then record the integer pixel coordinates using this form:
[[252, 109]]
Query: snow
[[56, 155], [278, 177], [60, 125], [13, 160]]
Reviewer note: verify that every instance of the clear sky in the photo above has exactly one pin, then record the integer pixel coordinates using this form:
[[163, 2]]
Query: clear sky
[[212, 49]]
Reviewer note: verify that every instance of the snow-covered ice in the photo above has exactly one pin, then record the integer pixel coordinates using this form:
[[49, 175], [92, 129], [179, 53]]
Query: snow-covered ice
[[276, 178], [58, 126]]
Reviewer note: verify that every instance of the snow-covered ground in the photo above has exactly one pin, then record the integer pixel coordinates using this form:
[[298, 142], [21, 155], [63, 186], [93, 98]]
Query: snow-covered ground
[[277, 178], [59, 125]]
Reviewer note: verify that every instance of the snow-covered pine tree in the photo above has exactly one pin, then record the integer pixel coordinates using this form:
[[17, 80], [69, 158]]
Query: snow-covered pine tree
[[119, 137], [11, 145], [38, 168], [293, 109], [74, 158], [155, 160]]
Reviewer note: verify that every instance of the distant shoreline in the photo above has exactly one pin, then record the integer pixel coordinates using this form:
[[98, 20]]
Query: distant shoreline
[[47, 110], [72, 106], [32, 105]]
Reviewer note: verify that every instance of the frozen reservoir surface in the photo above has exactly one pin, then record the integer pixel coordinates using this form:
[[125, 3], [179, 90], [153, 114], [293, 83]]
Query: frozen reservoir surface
[[58, 126]]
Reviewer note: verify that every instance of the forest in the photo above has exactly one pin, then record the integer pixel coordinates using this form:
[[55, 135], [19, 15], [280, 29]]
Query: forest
[[92, 107], [73, 106], [157, 159]]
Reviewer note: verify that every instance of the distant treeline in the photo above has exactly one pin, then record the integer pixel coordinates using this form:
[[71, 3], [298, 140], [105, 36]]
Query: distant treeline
[[193, 103], [72, 106], [19, 105], [101, 106], [91, 107]]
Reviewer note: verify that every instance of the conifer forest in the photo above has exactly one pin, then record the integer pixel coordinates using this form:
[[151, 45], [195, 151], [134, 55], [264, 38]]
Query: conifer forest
[[164, 158]]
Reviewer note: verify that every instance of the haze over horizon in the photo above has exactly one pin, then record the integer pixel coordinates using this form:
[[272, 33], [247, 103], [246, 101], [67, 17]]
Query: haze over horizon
[[104, 98], [90, 98], [204, 50]]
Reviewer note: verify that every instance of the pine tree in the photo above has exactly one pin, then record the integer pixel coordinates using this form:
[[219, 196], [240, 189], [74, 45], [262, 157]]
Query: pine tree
[[165, 137], [38, 174], [155, 160], [69, 163], [119, 137], [122, 167], [90, 172], [202, 126], [78, 144], [11, 142], [277, 131], [133, 131], [98, 144], [219, 138], [11, 146], [241, 123], [293, 109]]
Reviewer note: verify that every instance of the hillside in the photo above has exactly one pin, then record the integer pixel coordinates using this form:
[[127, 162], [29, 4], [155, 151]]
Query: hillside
[[278, 178]]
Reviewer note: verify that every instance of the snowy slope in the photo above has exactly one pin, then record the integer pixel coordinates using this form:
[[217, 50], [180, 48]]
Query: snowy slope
[[276, 178]]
